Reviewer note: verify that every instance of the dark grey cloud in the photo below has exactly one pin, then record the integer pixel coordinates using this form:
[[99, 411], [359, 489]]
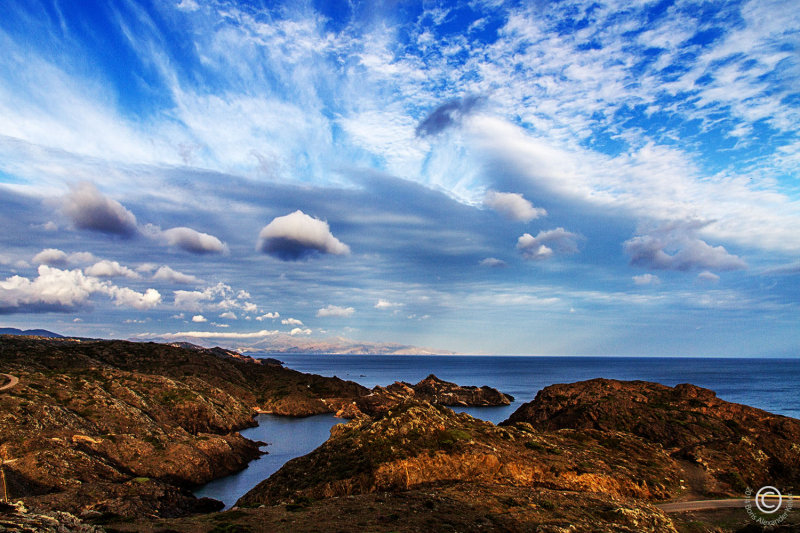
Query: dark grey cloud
[[448, 114], [675, 246], [297, 236], [90, 209]]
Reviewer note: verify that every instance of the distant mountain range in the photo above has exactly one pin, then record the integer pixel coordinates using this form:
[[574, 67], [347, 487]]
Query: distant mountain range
[[283, 343], [278, 344], [336, 345], [32, 332]]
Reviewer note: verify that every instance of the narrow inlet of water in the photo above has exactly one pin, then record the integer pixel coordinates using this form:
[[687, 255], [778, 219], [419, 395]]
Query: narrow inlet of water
[[286, 438]]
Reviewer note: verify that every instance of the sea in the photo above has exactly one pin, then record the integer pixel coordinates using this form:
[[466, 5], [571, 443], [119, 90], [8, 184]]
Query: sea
[[769, 384]]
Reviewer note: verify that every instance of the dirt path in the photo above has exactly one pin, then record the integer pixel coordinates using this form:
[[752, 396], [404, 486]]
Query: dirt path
[[12, 381], [703, 505]]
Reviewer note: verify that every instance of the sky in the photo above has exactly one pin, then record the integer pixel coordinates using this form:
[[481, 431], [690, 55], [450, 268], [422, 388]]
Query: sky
[[554, 178]]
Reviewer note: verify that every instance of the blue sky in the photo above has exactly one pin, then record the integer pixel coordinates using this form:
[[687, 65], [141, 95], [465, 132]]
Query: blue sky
[[483, 177]]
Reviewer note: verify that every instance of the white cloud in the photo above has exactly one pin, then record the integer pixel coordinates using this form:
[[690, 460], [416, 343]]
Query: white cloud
[[299, 331], [707, 277], [79, 258], [55, 290], [229, 315], [110, 269], [191, 240], [210, 335], [130, 298], [291, 322], [646, 279], [267, 316], [199, 318], [546, 243], [296, 236], [493, 262], [51, 257], [217, 297], [90, 209], [166, 273], [513, 206], [335, 310], [56, 257], [385, 304], [675, 246]]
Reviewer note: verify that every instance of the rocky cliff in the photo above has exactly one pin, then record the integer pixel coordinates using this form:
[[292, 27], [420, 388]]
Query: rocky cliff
[[732, 446]]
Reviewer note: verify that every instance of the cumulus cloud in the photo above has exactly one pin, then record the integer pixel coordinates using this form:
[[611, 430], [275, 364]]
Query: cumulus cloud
[[62, 290], [230, 315], [447, 115], [90, 209], [56, 257], [335, 310], [165, 273], [199, 318], [217, 297], [493, 262], [299, 331], [267, 316], [646, 279], [385, 304], [51, 257], [675, 246], [296, 236], [110, 269], [547, 243], [291, 322], [129, 297], [193, 241], [512, 205]]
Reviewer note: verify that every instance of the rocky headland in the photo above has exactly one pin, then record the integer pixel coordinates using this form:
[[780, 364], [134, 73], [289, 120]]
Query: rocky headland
[[725, 447], [117, 428]]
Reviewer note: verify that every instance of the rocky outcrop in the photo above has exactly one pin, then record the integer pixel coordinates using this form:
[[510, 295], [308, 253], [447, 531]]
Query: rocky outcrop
[[418, 444], [735, 446], [17, 517], [431, 389], [88, 418]]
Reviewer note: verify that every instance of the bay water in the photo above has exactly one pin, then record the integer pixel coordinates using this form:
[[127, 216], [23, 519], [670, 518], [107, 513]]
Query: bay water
[[769, 384]]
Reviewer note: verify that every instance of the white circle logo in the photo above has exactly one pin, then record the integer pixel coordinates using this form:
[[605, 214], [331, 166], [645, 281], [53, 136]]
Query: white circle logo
[[768, 499]]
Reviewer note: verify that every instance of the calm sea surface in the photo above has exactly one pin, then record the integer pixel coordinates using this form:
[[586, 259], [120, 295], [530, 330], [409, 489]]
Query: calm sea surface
[[769, 384]]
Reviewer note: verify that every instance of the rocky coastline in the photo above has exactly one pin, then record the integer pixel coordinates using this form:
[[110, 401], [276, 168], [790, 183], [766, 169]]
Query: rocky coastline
[[112, 435]]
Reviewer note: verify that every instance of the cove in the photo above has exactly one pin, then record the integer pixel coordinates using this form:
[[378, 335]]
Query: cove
[[286, 437]]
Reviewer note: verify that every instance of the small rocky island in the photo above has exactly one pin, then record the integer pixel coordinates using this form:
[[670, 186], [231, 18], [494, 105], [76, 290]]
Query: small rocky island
[[117, 433]]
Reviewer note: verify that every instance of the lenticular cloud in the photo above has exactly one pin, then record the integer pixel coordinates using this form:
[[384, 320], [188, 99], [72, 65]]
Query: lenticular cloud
[[297, 236], [90, 209]]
